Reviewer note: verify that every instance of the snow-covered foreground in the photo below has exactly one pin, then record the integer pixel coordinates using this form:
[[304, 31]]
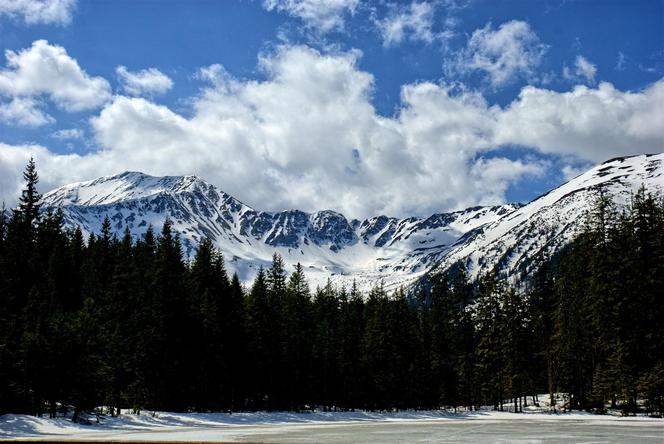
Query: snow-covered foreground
[[355, 427]]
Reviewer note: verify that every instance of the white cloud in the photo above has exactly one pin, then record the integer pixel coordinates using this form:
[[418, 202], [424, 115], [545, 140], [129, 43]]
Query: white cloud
[[583, 71], [216, 74], [308, 137], [144, 82], [503, 55], [569, 172], [68, 134], [24, 111], [47, 71], [589, 123], [321, 15], [39, 11], [503, 172], [413, 22], [54, 169]]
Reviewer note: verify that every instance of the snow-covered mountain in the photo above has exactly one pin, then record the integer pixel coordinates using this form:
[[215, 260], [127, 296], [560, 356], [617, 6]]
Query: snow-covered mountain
[[551, 220], [397, 251], [326, 243]]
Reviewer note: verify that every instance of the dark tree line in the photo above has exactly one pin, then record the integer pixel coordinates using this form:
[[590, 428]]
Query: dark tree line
[[126, 323]]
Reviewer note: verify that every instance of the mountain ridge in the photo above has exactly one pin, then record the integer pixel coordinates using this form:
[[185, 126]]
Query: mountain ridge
[[320, 240], [380, 248], [556, 215]]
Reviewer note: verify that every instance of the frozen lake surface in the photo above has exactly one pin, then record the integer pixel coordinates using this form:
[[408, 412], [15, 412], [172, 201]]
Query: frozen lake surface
[[350, 427]]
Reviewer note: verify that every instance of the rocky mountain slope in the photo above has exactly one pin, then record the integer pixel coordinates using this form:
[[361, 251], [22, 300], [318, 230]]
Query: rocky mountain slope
[[325, 242], [551, 220], [398, 251]]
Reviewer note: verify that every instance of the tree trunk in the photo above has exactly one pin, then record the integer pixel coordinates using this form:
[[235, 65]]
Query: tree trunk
[[549, 372]]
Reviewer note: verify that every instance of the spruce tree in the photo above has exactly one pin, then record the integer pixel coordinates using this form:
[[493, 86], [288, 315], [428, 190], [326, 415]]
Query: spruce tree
[[296, 333], [488, 353], [237, 343], [206, 289], [541, 301], [352, 383], [464, 337], [259, 327], [443, 337], [325, 337], [30, 197]]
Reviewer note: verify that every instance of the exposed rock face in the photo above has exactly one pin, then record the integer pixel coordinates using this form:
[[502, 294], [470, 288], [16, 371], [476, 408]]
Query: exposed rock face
[[397, 251]]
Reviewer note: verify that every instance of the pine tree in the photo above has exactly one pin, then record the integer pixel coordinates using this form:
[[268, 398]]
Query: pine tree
[[488, 352], [276, 287], [513, 335], [170, 325], [237, 341], [23, 298], [352, 383], [442, 342], [376, 350], [541, 308], [117, 321], [30, 197], [206, 287], [405, 344], [325, 349], [296, 333], [464, 337], [259, 327], [573, 322]]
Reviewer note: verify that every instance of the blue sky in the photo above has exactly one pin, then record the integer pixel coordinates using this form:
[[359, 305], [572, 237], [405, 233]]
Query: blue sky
[[499, 100]]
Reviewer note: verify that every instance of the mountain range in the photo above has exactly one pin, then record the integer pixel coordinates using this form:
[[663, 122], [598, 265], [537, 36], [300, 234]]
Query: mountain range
[[330, 246]]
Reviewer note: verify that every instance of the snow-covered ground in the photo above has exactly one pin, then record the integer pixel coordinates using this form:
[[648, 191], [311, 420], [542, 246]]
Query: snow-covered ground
[[356, 427]]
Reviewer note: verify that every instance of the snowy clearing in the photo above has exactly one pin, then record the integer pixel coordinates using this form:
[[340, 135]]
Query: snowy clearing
[[356, 427]]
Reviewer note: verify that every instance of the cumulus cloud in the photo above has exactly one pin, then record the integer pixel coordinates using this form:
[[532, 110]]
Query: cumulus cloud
[[308, 137], [46, 72], [502, 55], [503, 172], [57, 12], [54, 169], [590, 123], [24, 111], [413, 22], [149, 81], [320, 15], [583, 71]]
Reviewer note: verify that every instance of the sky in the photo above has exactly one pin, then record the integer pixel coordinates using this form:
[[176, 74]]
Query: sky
[[402, 108]]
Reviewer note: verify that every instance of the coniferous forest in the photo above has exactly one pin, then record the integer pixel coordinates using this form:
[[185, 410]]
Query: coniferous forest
[[125, 323]]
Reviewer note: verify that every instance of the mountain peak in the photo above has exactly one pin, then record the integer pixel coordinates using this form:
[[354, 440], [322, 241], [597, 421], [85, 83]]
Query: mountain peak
[[328, 245], [128, 185], [325, 242], [542, 226]]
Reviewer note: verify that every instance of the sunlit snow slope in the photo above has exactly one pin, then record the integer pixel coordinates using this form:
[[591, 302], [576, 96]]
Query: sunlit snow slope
[[325, 242], [551, 220], [398, 251]]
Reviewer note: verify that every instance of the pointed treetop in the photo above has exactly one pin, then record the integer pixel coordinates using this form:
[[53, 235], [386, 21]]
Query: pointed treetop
[[29, 200], [106, 230], [149, 237]]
